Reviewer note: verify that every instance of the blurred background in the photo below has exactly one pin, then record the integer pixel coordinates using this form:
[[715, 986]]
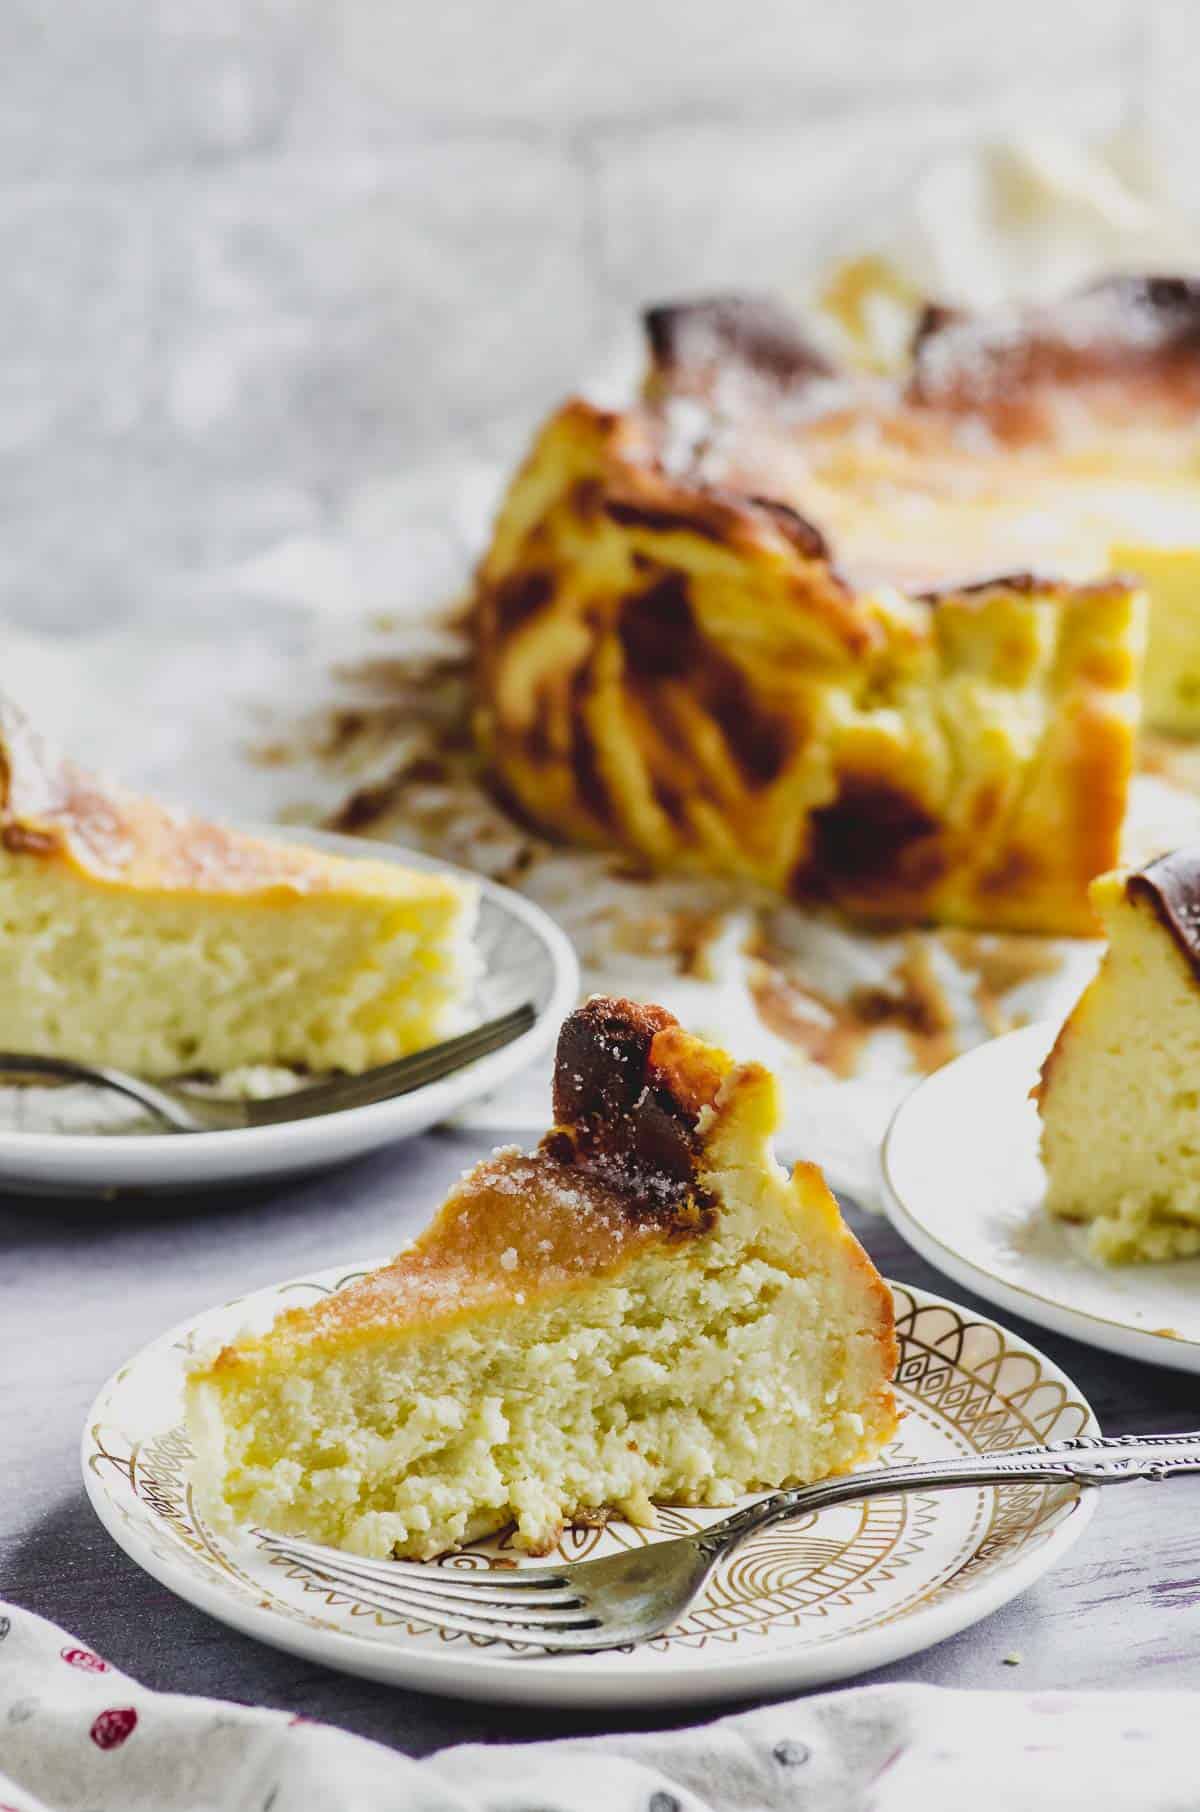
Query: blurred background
[[288, 281], [287, 285]]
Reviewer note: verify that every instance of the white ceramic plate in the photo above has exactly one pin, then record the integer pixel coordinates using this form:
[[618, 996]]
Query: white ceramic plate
[[90, 1141], [802, 1604], [964, 1185]]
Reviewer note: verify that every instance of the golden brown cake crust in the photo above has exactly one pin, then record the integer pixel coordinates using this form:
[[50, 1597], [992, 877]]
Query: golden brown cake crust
[[520, 1226], [53, 811], [620, 1171]]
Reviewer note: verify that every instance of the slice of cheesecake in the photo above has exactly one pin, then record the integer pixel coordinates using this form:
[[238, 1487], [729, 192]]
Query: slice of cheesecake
[[1119, 1094], [646, 1309], [131, 934]]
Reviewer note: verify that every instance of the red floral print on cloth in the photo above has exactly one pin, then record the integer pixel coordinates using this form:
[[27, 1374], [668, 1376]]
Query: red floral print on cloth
[[84, 1658], [112, 1727]]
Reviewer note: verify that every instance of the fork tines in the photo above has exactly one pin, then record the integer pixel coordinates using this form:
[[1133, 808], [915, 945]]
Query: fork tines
[[537, 1605]]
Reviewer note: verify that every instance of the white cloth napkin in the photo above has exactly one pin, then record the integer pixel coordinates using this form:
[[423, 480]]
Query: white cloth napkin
[[77, 1736]]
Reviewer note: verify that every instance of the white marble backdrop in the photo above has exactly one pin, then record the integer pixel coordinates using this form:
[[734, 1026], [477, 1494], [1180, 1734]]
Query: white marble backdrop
[[265, 260]]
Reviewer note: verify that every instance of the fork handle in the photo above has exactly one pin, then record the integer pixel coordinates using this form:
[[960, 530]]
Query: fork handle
[[1085, 1461]]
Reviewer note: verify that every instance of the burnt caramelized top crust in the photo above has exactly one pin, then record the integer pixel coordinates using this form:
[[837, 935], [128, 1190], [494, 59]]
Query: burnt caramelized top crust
[[618, 1174], [1122, 327], [923, 479], [693, 341], [1118, 325], [629, 1090], [1112, 318], [1171, 887]]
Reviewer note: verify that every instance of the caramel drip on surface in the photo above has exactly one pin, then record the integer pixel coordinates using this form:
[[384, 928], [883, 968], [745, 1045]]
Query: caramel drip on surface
[[828, 1032], [1000, 962], [833, 1032]]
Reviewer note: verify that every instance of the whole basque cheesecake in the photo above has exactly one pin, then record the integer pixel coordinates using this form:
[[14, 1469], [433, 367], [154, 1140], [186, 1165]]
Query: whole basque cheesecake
[[134, 935], [646, 1309], [1119, 1094], [874, 641]]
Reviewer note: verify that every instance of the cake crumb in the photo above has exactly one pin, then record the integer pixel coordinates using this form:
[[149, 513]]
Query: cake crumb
[[1014, 1660]]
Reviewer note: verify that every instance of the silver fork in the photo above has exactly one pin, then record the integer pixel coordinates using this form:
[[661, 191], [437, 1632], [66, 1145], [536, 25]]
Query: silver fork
[[183, 1110], [626, 1598]]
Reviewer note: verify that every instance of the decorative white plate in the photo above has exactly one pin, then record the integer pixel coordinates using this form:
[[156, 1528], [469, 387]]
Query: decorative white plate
[[801, 1604], [83, 1140], [964, 1185]]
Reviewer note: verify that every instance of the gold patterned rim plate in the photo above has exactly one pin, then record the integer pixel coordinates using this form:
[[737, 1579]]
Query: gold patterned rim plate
[[800, 1605], [964, 1185]]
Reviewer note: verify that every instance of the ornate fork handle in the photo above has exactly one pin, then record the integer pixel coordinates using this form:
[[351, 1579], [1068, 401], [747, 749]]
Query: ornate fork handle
[[1085, 1461]]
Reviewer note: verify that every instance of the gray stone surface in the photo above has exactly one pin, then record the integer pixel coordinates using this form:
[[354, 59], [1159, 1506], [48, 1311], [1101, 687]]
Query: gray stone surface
[[82, 1287]]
